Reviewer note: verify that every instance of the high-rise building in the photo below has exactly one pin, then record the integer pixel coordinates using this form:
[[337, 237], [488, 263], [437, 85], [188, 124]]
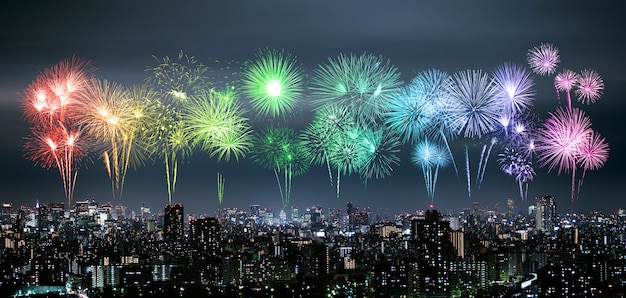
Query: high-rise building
[[545, 214], [205, 235], [433, 251], [173, 223]]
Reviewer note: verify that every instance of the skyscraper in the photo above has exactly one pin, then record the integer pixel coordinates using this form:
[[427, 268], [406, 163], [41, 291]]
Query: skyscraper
[[173, 224], [433, 251], [545, 214]]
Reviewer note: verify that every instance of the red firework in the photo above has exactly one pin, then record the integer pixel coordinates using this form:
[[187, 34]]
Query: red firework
[[50, 104]]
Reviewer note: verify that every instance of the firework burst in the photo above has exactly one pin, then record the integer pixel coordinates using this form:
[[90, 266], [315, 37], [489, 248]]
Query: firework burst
[[364, 84], [472, 110], [564, 82], [273, 81], [544, 59], [177, 79], [50, 104], [561, 139], [589, 86], [513, 88], [281, 150]]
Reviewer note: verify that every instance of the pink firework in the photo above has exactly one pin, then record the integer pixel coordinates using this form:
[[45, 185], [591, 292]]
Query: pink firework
[[589, 87], [594, 152], [562, 139], [565, 81], [593, 155], [544, 59]]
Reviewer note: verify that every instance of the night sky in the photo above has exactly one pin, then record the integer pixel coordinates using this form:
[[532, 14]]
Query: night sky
[[119, 38]]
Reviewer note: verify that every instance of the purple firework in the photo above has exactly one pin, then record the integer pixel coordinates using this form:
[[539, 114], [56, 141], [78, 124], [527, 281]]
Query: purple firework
[[589, 87], [513, 88], [565, 81], [544, 59]]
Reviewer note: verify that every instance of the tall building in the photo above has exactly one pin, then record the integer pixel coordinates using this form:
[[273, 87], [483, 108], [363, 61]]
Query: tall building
[[545, 214], [433, 251], [173, 223], [205, 235]]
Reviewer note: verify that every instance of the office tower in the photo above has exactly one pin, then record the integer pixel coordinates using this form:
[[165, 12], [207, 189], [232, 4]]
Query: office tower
[[205, 235], [545, 214], [173, 224], [433, 251]]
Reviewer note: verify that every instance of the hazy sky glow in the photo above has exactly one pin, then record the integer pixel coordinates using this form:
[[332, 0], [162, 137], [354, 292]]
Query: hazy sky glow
[[455, 37]]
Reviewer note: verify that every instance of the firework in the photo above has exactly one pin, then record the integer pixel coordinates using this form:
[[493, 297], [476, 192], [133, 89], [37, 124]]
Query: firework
[[472, 110], [560, 140], [60, 148], [544, 59], [347, 153], [280, 149], [513, 88], [50, 104], [430, 157], [177, 79], [409, 114], [514, 162], [589, 86], [328, 121], [220, 188], [565, 81], [216, 122], [364, 84], [381, 150], [273, 81], [593, 155], [117, 119]]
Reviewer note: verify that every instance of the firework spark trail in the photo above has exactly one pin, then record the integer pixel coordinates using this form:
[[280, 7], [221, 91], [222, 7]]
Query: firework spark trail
[[329, 121], [116, 118], [216, 122], [273, 81], [472, 110], [483, 161], [220, 187], [430, 157], [467, 173], [177, 79], [347, 153], [565, 81]]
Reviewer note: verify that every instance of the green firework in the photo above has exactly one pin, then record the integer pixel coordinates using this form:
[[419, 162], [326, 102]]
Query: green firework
[[220, 188], [273, 82], [215, 121], [362, 83], [280, 149], [177, 79]]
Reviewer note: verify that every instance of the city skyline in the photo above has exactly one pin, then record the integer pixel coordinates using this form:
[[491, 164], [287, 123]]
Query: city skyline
[[411, 36]]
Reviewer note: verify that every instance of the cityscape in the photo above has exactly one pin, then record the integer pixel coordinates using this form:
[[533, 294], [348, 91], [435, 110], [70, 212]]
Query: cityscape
[[508, 250], [312, 149]]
